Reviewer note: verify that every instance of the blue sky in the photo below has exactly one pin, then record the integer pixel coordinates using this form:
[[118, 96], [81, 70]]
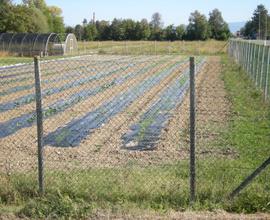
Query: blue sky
[[173, 11]]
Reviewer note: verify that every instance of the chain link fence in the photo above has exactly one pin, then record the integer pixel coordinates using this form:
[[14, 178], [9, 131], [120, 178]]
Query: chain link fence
[[113, 129], [254, 57]]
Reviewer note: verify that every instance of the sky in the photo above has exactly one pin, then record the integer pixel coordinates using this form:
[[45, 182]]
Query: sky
[[173, 11]]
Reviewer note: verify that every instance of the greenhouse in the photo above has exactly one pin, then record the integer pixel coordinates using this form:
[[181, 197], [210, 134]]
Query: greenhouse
[[31, 44], [70, 44]]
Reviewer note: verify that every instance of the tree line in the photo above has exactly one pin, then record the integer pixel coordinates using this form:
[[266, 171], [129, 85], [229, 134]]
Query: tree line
[[199, 28], [35, 16], [258, 26], [32, 16]]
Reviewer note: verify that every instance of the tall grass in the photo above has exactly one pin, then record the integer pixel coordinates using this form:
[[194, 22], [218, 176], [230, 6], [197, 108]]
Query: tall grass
[[210, 47]]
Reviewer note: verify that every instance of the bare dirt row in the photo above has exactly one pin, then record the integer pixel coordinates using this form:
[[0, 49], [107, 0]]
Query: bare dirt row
[[19, 150], [104, 147]]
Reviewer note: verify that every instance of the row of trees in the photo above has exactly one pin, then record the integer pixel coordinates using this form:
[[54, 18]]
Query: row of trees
[[36, 16], [33, 16], [199, 28], [259, 25]]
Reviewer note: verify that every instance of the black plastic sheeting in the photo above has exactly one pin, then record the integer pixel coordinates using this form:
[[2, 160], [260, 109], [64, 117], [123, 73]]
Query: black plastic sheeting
[[10, 127], [75, 131], [80, 82], [145, 134]]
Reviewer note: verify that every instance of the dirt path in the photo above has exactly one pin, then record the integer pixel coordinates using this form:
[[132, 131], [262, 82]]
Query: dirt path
[[213, 112], [148, 215]]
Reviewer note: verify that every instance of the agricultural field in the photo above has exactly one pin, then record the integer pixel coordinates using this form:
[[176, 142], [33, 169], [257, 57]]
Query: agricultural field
[[89, 101], [116, 136]]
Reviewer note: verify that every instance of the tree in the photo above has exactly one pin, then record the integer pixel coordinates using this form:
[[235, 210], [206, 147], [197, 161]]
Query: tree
[[180, 32], [85, 22], [219, 29], [5, 2], [5, 14], [257, 26], [69, 29], [53, 16], [89, 32], [29, 3], [156, 25], [57, 20], [156, 21], [78, 31], [259, 21], [170, 33], [117, 30], [142, 30], [21, 18], [129, 27], [103, 30], [198, 27], [40, 24]]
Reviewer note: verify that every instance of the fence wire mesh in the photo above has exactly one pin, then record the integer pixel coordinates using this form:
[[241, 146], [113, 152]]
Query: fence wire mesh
[[114, 123], [254, 57], [231, 132], [116, 128]]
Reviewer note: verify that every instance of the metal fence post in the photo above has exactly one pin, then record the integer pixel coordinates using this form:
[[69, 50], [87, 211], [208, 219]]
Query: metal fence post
[[267, 75], [257, 66], [39, 125], [192, 130], [262, 68]]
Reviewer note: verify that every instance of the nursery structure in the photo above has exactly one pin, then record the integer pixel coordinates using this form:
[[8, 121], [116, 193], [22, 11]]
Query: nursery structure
[[31, 44]]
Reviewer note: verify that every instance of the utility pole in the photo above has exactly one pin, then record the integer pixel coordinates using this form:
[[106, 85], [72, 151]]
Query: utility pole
[[260, 25], [266, 28], [94, 18]]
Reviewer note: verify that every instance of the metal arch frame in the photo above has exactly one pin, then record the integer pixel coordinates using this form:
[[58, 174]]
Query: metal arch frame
[[44, 48], [62, 46], [22, 43], [1, 35], [47, 42], [14, 34], [36, 35], [66, 41], [56, 36], [12, 43], [35, 43], [6, 39], [60, 42]]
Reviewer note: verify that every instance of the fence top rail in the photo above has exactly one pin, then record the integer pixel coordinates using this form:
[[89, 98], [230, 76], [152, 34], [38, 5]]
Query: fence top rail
[[258, 42]]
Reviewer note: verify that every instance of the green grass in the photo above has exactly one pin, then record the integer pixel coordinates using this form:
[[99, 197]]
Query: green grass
[[9, 60], [78, 194]]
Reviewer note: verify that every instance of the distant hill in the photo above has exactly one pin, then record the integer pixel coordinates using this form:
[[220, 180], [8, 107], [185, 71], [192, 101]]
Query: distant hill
[[236, 26]]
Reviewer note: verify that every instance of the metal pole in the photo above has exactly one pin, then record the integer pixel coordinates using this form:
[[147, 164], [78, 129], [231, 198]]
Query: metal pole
[[192, 130], [267, 76], [250, 178], [155, 47], [260, 26], [257, 66], [39, 125], [262, 67]]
